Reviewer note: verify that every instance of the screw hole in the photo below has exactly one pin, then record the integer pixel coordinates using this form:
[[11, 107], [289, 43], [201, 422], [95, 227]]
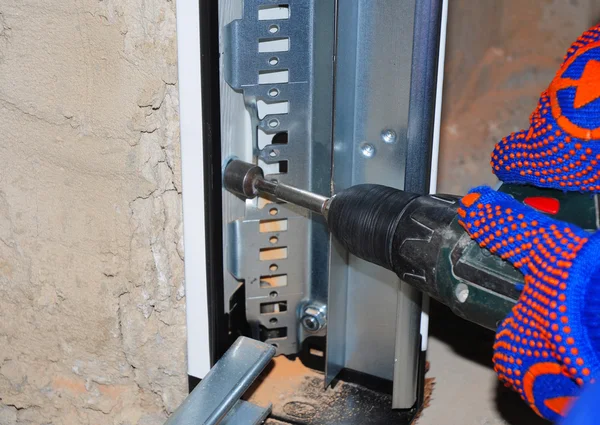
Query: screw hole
[[273, 239], [273, 211], [273, 294], [273, 123], [273, 61], [275, 345], [274, 92], [273, 153], [273, 267], [273, 321], [274, 29]]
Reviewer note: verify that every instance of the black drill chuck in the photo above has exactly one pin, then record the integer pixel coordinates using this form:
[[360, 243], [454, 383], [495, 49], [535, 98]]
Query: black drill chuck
[[398, 230]]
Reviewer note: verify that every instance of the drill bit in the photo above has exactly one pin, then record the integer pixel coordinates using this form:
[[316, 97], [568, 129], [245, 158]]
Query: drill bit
[[248, 181]]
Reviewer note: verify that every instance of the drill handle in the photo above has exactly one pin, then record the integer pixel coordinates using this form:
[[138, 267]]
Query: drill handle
[[432, 252]]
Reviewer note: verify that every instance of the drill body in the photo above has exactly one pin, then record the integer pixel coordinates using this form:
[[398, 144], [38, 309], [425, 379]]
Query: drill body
[[421, 240]]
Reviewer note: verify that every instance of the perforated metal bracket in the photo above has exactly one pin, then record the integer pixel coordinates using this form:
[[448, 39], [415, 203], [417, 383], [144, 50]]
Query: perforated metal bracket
[[287, 82]]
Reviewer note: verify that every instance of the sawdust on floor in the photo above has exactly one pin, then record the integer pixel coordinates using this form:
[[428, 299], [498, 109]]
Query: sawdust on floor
[[297, 394]]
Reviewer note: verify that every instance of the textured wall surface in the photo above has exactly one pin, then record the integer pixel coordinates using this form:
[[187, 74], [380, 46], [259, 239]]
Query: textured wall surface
[[92, 323]]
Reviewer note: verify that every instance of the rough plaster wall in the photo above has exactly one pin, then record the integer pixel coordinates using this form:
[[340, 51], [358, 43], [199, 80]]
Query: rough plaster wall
[[92, 323]]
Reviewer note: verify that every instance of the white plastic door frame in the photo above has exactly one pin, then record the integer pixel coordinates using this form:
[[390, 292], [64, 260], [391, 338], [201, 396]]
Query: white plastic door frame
[[191, 125]]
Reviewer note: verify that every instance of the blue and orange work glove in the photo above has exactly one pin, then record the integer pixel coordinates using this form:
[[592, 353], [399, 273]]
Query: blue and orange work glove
[[549, 345]]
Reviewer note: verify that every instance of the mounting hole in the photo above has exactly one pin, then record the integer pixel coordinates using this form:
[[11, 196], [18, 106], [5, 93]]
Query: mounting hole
[[273, 321], [273, 294], [273, 211], [461, 292], [273, 239], [273, 267], [275, 345], [273, 61], [274, 29], [274, 123], [273, 92], [273, 153]]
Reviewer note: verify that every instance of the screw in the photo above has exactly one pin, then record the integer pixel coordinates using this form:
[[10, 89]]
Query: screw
[[310, 323], [313, 319], [368, 150], [388, 136]]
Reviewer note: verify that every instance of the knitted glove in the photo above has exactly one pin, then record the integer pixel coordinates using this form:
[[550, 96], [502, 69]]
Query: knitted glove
[[560, 149], [549, 345], [585, 410]]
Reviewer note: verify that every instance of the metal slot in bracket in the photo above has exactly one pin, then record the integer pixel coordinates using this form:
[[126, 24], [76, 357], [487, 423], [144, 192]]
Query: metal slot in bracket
[[286, 79]]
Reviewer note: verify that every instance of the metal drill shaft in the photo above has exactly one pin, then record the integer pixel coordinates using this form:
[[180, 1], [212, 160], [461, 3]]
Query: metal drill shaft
[[248, 180]]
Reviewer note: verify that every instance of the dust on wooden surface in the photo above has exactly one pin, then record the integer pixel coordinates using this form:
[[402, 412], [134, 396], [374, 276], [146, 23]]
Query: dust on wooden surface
[[297, 394], [281, 379]]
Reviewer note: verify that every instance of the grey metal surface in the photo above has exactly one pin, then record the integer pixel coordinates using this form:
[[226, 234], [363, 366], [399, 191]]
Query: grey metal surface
[[424, 74], [303, 161], [224, 384], [244, 413], [366, 310]]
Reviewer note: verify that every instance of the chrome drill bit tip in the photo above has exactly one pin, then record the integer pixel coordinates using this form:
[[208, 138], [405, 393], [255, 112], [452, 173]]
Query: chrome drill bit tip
[[247, 180]]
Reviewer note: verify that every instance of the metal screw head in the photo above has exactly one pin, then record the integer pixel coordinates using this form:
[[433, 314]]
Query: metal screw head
[[388, 136], [310, 323], [367, 150], [313, 318]]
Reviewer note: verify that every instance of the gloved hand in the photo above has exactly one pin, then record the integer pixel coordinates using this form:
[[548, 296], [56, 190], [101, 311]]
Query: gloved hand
[[549, 345], [585, 409]]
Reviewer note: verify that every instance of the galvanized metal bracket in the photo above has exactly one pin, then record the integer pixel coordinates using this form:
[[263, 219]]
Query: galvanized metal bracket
[[216, 400], [286, 77]]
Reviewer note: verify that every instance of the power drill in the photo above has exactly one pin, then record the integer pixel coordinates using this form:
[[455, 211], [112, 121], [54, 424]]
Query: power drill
[[419, 238]]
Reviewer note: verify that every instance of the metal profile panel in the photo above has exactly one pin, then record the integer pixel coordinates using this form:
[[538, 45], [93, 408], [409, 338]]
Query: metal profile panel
[[289, 97], [374, 319]]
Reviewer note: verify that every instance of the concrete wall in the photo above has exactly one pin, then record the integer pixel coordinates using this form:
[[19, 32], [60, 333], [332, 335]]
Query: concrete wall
[[92, 327]]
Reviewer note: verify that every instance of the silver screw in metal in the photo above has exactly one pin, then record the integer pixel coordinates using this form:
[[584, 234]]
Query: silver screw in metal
[[388, 136], [313, 318], [368, 150], [310, 323]]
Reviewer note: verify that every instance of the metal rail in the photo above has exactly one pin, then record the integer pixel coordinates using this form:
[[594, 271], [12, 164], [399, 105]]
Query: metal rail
[[216, 400]]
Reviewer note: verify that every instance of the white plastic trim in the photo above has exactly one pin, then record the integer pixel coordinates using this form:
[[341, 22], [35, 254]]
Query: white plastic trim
[[435, 152], [190, 117]]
